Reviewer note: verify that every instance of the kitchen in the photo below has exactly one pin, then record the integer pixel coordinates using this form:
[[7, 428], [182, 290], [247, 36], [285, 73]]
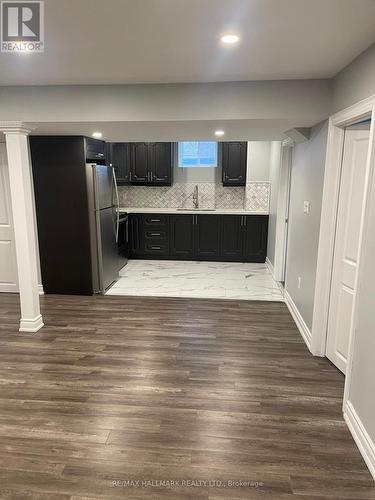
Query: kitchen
[[187, 231], [174, 219]]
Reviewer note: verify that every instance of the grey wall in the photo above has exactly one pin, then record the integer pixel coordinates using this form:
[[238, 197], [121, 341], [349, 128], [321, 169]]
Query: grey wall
[[355, 82], [275, 157], [293, 99], [303, 237], [258, 160]]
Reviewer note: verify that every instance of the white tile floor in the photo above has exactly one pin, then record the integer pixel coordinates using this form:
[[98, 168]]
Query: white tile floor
[[219, 280]]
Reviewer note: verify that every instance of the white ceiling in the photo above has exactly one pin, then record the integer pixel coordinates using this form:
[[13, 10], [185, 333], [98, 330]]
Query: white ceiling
[[158, 41]]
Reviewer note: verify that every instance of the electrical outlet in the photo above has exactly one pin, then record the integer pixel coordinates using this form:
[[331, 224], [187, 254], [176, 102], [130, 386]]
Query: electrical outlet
[[299, 281], [306, 207]]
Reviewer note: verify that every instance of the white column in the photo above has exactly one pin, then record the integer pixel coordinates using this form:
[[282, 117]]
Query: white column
[[20, 176]]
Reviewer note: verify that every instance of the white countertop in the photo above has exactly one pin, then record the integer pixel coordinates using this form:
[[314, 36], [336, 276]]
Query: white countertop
[[217, 211]]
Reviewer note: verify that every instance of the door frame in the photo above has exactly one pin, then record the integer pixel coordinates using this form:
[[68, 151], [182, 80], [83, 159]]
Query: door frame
[[9, 287], [335, 145], [282, 217]]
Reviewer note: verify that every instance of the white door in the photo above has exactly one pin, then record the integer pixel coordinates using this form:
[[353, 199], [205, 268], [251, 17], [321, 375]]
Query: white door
[[346, 254], [8, 263], [282, 217]]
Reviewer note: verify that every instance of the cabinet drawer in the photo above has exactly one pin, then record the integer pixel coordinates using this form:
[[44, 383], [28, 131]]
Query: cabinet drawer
[[155, 220], [155, 234], [157, 247]]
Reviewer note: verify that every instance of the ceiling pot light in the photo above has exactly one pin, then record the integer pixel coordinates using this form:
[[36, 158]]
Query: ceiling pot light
[[97, 135], [230, 39], [219, 133]]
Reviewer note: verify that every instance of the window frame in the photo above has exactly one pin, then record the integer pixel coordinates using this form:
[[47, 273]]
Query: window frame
[[199, 165]]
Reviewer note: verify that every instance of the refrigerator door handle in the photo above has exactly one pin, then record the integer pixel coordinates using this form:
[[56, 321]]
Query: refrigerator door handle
[[117, 205]]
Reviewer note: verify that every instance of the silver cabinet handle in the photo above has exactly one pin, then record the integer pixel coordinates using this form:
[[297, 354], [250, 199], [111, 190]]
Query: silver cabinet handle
[[155, 220], [155, 248], [155, 234], [117, 204]]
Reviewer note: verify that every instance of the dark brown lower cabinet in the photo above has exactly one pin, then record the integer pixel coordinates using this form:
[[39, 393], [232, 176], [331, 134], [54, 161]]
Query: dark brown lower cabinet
[[227, 238], [149, 235], [232, 237], [255, 238], [207, 237], [182, 236]]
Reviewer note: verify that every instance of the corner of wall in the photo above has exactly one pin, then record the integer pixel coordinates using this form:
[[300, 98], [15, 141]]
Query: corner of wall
[[300, 322], [364, 442]]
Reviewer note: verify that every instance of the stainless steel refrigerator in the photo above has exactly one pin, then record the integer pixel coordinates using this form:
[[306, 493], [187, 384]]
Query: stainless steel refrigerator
[[103, 202]]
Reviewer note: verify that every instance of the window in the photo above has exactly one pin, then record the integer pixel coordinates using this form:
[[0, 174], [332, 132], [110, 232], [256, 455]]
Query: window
[[197, 154]]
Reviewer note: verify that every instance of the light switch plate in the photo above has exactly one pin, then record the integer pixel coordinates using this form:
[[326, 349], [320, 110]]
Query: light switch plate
[[306, 207]]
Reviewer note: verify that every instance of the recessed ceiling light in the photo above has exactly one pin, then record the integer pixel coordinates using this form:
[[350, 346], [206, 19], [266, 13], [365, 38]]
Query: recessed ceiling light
[[230, 39], [219, 133], [97, 135]]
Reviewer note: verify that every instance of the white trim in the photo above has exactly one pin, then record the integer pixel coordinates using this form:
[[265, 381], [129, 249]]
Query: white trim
[[360, 435], [14, 127], [282, 213], [40, 289], [300, 322], [22, 200], [8, 288], [350, 115], [31, 325], [335, 144], [288, 142], [269, 266]]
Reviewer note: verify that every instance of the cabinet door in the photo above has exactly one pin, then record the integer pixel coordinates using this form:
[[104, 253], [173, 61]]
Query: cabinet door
[[140, 163], [135, 228], [161, 163], [231, 232], [256, 233], [207, 237], [182, 236], [95, 150], [234, 163], [119, 158]]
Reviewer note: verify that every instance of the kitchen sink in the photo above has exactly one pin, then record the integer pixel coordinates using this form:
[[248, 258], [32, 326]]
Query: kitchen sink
[[197, 209]]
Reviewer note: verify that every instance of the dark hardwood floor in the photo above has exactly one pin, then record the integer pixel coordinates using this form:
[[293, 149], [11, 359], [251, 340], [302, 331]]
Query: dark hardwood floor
[[119, 388]]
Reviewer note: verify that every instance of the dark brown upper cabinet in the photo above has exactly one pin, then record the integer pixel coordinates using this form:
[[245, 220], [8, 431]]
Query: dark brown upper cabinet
[[95, 150], [118, 156], [234, 163], [161, 163], [152, 163], [142, 163]]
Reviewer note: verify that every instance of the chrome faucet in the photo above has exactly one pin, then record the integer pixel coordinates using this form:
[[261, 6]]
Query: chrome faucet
[[196, 197]]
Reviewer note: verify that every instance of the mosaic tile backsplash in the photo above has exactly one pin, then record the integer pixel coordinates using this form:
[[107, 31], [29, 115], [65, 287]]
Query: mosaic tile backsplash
[[254, 197]]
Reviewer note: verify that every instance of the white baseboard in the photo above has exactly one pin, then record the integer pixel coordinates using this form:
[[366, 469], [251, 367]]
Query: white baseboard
[[269, 265], [31, 325], [363, 441], [14, 289], [301, 325]]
